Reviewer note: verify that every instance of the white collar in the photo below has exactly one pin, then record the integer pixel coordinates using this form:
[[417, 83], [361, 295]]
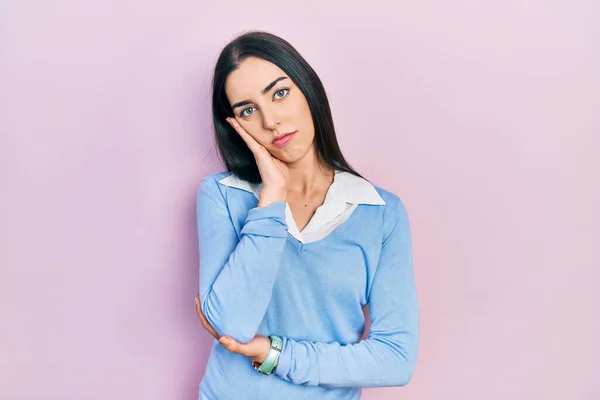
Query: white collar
[[345, 189], [353, 189]]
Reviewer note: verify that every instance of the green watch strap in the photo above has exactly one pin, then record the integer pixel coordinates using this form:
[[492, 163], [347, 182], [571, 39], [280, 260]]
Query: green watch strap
[[268, 365]]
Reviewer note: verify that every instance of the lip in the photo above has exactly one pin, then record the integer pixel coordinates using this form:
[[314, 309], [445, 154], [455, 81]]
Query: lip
[[284, 139]]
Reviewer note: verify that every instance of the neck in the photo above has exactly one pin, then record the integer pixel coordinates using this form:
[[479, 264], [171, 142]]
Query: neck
[[309, 174]]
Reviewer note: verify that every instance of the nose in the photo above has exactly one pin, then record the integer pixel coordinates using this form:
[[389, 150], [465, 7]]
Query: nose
[[270, 119]]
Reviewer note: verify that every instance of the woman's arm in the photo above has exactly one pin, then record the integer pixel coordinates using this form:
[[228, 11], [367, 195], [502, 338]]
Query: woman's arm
[[388, 356], [237, 274]]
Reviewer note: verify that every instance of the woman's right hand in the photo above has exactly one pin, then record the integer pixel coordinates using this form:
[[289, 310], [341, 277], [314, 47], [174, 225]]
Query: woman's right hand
[[273, 172]]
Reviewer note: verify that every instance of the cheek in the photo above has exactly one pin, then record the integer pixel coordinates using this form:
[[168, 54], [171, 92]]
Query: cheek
[[307, 121], [299, 111], [304, 112], [255, 129]]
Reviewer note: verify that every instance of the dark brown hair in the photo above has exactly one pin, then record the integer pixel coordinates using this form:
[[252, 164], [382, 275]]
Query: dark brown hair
[[234, 152]]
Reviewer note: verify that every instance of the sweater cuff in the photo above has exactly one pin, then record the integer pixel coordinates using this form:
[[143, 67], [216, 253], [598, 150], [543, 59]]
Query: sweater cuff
[[285, 359], [266, 221]]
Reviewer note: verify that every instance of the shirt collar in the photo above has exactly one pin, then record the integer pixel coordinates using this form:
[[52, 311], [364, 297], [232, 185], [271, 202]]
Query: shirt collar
[[353, 189]]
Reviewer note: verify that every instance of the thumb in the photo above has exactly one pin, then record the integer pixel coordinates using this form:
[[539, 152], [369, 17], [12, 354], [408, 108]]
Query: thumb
[[231, 344]]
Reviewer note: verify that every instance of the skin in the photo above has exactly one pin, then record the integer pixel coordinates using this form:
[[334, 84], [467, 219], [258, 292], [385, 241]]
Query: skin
[[266, 104], [292, 173]]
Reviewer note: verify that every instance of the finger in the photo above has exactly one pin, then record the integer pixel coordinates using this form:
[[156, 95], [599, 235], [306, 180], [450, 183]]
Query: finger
[[231, 344], [200, 314], [250, 141], [242, 132], [257, 349], [249, 349], [208, 327], [198, 309], [204, 321]]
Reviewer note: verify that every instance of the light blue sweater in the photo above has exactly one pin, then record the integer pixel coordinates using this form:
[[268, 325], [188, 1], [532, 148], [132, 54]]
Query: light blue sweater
[[257, 278]]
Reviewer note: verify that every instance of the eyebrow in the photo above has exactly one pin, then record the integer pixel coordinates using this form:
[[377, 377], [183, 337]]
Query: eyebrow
[[264, 91]]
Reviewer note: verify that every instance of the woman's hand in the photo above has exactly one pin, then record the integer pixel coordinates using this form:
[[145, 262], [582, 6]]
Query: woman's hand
[[273, 172], [256, 349]]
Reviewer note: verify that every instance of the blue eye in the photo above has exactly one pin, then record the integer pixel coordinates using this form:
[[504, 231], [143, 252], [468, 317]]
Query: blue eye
[[281, 93], [245, 114]]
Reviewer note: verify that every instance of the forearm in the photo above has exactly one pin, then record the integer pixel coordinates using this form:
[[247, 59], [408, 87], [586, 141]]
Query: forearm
[[378, 361], [238, 271], [236, 302], [388, 356]]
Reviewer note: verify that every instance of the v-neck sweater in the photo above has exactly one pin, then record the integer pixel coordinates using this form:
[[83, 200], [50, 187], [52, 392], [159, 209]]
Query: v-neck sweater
[[257, 278]]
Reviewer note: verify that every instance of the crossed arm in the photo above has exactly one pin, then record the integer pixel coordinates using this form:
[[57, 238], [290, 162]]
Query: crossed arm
[[238, 274]]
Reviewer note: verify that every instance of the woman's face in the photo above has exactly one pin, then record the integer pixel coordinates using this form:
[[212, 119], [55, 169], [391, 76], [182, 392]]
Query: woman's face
[[269, 106]]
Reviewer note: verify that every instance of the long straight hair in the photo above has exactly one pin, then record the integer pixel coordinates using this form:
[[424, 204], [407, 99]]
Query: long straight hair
[[233, 151]]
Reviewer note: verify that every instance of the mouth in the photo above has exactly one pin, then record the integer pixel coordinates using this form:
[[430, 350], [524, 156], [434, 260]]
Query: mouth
[[284, 139]]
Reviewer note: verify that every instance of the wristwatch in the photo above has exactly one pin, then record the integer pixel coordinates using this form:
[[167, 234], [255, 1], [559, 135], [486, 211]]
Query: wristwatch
[[268, 365]]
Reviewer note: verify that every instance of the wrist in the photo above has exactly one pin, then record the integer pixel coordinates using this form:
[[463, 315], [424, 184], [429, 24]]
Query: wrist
[[270, 195], [267, 367]]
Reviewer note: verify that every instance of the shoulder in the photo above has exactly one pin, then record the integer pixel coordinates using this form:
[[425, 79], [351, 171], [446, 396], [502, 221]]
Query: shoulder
[[209, 186], [393, 202], [211, 181], [395, 212]]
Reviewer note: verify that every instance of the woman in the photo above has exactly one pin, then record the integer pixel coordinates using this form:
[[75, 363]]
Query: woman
[[294, 243]]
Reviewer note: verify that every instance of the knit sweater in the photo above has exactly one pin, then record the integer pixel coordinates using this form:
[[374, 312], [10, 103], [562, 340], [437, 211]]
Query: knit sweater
[[257, 278]]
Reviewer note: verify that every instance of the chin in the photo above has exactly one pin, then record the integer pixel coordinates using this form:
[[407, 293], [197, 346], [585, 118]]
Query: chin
[[292, 154], [286, 158]]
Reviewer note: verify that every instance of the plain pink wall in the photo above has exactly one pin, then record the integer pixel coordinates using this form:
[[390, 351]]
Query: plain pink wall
[[482, 116]]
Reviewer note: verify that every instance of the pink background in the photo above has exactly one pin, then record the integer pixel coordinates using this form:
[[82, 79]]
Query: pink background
[[482, 115]]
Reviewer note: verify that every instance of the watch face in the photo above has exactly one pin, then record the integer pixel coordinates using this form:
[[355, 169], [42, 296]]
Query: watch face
[[257, 368], [276, 343], [269, 364]]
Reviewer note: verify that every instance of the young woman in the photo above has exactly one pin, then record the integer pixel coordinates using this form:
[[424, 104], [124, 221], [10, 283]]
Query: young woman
[[294, 243]]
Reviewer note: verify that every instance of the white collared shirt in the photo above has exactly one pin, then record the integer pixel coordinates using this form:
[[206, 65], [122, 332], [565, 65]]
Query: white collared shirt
[[343, 196]]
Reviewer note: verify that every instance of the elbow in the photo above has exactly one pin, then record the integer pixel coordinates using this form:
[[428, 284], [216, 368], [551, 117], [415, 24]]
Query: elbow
[[404, 371], [398, 375], [400, 365], [227, 325], [238, 334], [404, 360], [403, 378]]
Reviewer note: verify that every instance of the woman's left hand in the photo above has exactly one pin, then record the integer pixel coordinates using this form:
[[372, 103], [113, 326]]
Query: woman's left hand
[[256, 349]]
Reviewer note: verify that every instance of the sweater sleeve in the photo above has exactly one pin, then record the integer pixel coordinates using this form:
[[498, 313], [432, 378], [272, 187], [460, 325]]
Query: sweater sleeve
[[237, 272], [388, 356]]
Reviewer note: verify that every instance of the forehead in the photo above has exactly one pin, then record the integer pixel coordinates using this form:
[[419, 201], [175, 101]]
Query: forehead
[[252, 76]]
